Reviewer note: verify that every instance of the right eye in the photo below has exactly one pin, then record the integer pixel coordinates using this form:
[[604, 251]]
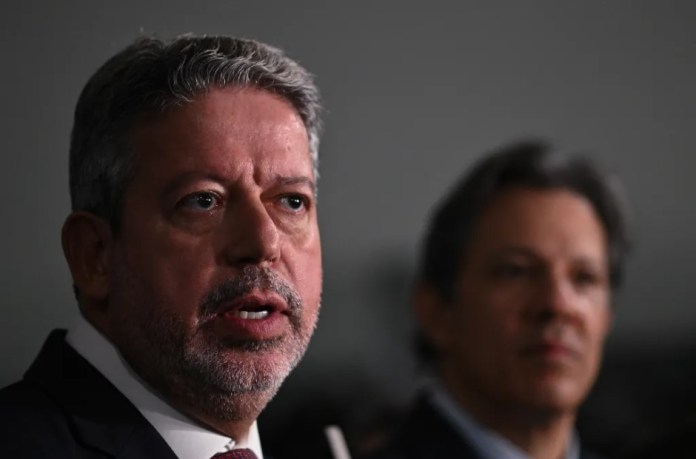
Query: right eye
[[512, 270], [204, 201]]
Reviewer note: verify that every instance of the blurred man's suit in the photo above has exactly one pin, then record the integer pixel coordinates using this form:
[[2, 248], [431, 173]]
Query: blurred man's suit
[[513, 305]]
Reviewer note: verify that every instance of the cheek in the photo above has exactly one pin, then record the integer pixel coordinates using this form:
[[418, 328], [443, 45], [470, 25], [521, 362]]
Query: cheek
[[482, 328], [597, 315], [306, 239], [310, 282], [303, 269], [175, 275], [496, 316], [599, 326]]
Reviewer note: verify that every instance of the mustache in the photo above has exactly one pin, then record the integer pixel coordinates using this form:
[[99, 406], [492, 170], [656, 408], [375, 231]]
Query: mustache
[[249, 279]]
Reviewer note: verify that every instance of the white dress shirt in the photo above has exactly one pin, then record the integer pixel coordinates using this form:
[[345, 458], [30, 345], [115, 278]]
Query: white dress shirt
[[487, 443], [187, 439]]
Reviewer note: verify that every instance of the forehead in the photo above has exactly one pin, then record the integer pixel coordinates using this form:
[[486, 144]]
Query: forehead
[[237, 123], [547, 221]]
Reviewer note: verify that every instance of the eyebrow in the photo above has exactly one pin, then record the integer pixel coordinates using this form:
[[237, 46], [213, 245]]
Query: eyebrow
[[277, 180], [296, 180], [516, 250], [190, 176], [526, 252]]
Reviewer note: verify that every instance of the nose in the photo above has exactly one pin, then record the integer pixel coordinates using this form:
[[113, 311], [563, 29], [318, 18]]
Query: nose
[[556, 297], [252, 236]]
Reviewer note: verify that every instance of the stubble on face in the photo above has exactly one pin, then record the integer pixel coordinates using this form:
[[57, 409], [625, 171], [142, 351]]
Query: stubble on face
[[226, 380], [213, 201]]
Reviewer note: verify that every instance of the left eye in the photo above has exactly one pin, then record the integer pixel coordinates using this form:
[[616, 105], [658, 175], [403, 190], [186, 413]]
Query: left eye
[[294, 203], [586, 278], [202, 201]]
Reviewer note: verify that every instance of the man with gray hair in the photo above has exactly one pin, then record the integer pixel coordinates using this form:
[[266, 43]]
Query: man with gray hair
[[194, 250]]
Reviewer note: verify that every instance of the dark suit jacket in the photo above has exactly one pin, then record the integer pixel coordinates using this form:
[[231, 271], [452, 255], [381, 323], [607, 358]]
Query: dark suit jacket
[[65, 408], [427, 434]]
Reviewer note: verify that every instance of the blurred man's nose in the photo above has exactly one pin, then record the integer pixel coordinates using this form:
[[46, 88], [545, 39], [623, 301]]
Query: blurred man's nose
[[556, 295]]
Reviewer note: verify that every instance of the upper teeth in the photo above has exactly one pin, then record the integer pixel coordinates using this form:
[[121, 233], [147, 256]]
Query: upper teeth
[[251, 314]]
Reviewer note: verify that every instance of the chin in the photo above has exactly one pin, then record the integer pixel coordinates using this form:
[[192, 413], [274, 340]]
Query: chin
[[557, 396]]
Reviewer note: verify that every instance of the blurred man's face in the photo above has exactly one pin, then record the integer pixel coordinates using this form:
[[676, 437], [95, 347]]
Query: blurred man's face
[[531, 308], [215, 274]]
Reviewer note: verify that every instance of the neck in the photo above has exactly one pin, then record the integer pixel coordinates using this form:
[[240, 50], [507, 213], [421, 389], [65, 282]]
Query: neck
[[539, 438], [543, 433]]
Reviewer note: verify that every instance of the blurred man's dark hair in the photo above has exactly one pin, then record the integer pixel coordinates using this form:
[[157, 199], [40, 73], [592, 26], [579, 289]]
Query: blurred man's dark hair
[[524, 164]]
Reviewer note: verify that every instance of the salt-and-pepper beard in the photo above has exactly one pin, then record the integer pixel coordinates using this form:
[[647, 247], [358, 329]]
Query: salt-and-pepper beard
[[195, 369]]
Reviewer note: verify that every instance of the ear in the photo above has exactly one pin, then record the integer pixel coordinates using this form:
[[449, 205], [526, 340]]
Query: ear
[[86, 244], [433, 316]]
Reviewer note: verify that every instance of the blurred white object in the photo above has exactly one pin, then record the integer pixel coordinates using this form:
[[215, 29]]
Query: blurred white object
[[337, 442]]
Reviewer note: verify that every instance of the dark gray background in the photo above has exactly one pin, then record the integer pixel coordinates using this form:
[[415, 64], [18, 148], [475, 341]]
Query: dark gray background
[[415, 92]]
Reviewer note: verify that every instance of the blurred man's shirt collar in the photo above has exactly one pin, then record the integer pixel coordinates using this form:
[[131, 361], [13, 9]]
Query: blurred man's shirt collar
[[187, 439], [488, 444]]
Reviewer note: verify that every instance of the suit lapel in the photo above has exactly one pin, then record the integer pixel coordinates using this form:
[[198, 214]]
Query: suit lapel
[[428, 434], [102, 418]]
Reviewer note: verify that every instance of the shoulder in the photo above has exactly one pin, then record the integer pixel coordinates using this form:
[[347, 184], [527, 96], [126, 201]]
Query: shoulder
[[425, 433], [24, 399], [591, 455], [39, 414], [65, 408], [32, 425]]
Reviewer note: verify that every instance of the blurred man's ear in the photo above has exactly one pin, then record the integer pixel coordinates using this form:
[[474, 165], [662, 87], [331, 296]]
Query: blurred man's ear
[[433, 315], [86, 243]]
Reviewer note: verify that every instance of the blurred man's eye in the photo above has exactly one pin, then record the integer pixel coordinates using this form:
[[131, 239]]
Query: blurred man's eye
[[512, 270], [586, 278]]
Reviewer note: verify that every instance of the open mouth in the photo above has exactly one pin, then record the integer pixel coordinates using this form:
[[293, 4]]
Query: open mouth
[[252, 312], [255, 316], [255, 306]]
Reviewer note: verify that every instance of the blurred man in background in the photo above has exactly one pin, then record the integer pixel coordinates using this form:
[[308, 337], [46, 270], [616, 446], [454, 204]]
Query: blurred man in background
[[194, 250], [513, 304]]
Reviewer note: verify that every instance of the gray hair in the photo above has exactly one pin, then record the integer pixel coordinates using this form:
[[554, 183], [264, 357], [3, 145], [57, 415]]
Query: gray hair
[[151, 76]]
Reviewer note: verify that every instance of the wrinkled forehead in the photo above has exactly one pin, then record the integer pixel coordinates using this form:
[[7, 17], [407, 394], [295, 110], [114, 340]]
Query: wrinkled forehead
[[222, 122]]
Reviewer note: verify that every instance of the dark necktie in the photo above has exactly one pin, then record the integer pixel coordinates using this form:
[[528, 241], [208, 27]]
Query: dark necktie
[[241, 453]]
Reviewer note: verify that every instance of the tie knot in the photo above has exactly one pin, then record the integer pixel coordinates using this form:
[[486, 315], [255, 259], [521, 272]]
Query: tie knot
[[241, 453]]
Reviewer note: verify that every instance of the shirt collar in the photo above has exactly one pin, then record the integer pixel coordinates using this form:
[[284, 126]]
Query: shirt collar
[[487, 443], [187, 439]]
